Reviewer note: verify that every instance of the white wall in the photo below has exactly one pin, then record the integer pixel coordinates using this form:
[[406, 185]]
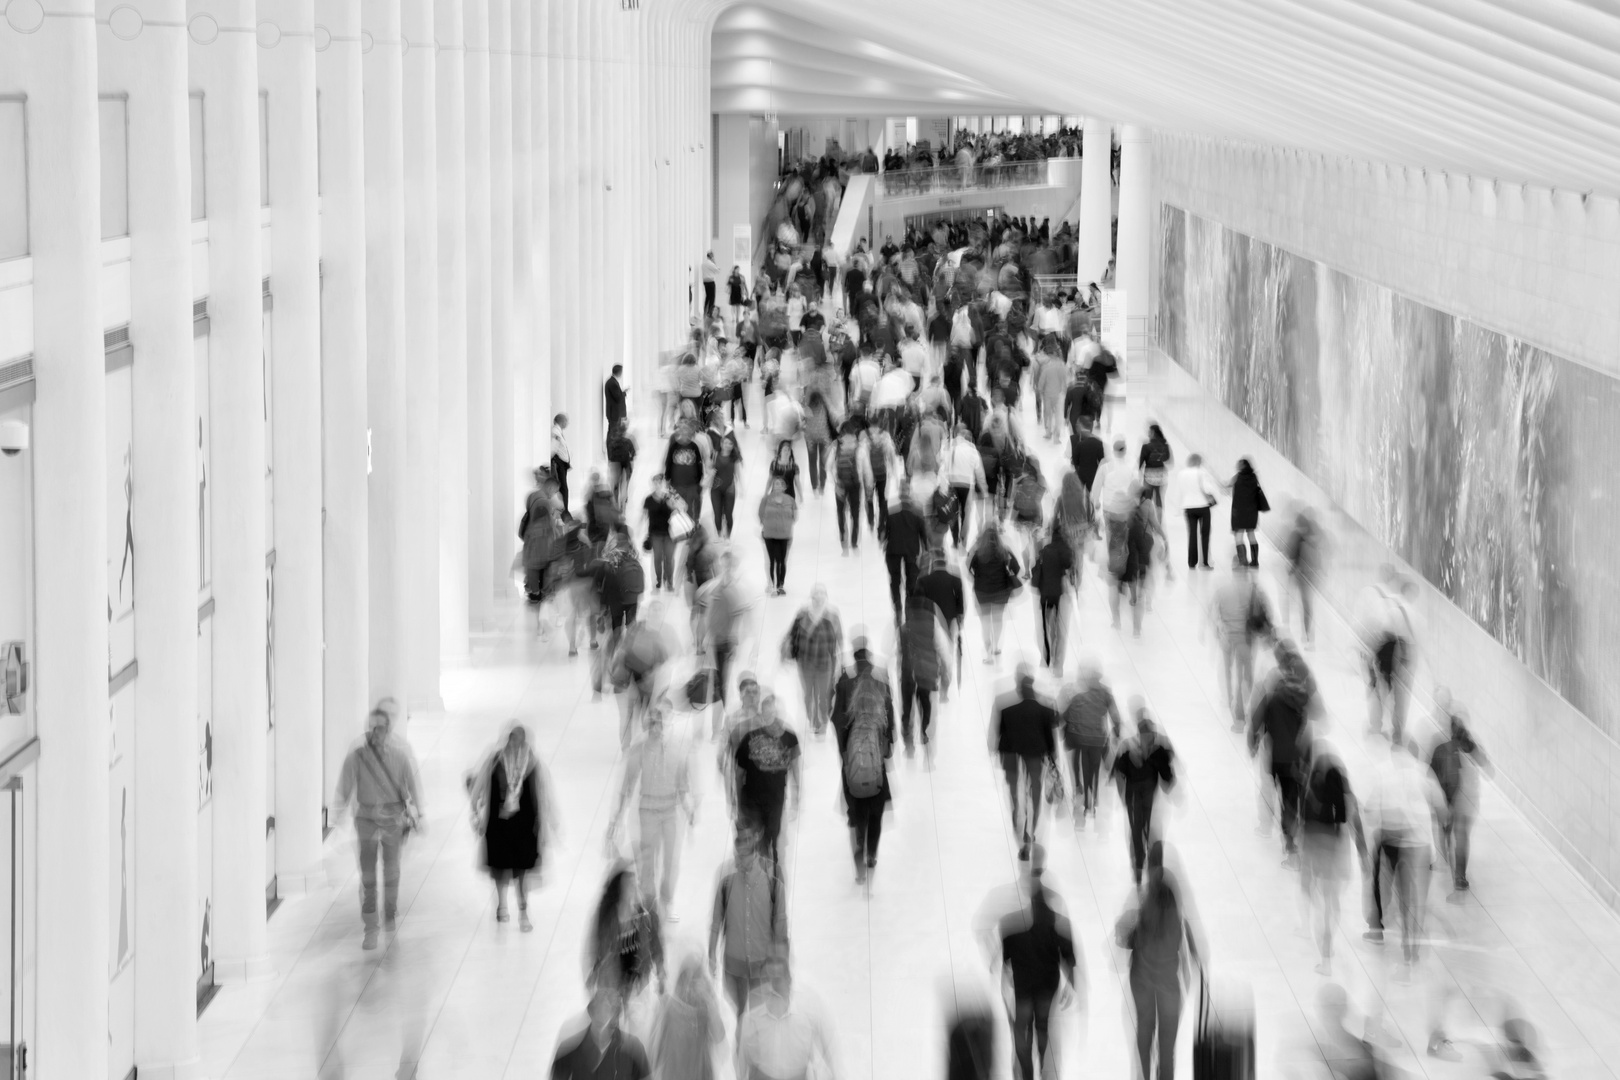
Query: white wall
[[1533, 263]]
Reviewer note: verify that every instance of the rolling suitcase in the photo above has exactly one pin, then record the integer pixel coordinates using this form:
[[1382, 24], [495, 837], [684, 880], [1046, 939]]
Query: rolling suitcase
[[1223, 1045]]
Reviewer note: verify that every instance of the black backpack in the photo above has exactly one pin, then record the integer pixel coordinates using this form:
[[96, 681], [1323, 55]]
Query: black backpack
[[849, 473]]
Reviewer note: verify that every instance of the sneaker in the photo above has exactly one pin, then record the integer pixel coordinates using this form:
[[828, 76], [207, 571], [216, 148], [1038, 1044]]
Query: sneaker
[[1374, 936], [860, 873], [370, 940], [523, 921], [1023, 853], [388, 924]]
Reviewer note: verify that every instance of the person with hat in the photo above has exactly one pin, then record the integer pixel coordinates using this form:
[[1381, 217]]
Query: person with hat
[[1022, 733], [379, 781]]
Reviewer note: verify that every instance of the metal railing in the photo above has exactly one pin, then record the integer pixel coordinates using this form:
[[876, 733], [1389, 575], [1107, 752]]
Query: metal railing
[[905, 183]]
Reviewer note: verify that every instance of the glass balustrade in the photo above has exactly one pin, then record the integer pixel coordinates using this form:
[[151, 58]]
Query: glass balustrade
[[905, 183]]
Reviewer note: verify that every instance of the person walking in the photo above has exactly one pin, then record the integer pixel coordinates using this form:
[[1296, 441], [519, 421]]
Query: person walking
[[1086, 449], [1022, 733], [688, 1027], [1196, 494], [1154, 459], [963, 467], [815, 642], [1241, 617], [1388, 632], [777, 514], [659, 511], [942, 585], [1457, 764], [379, 782], [924, 666], [637, 669], [1054, 579], [1284, 705], [615, 403], [625, 950], [785, 468], [903, 542], [1162, 933], [1144, 766], [1091, 729], [852, 472], [748, 924], [1304, 552], [1072, 514], [1328, 817], [657, 774], [994, 570], [602, 1048], [726, 464], [561, 459], [684, 468], [736, 294], [767, 765], [513, 811], [1248, 503], [1403, 802], [621, 456], [1038, 957], [863, 721], [540, 529], [779, 1037]]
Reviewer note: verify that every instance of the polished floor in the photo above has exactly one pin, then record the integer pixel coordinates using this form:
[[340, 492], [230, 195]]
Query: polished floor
[[454, 994]]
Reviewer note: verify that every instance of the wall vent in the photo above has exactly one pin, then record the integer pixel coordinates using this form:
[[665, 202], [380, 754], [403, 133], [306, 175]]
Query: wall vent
[[18, 371]]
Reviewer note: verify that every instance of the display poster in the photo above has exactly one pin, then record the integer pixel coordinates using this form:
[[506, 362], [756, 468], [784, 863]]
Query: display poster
[[742, 251]]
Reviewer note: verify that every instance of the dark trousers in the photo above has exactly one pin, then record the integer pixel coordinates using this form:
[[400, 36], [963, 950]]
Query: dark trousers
[[1086, 764], [1197, 529], [1285, 774], [559, 469], [924, 697], [724, 502], [776, 552], [960, 525], [1407, 880], [1031, 1032], [1455, 841], [1052, 631], [739, 402], [1158, 1018], [768, 820], [817, 452], [902, 576], [866, 816], [849, 502], [1139, 823], [693, 498], [708, 296], [663, 553], [1026, 803], [877, 507]]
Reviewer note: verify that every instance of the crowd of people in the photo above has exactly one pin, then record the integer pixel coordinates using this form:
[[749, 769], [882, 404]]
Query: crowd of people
[[928, 415]]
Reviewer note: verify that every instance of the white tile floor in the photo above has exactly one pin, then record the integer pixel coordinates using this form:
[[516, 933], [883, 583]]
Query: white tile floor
[[453, 994]]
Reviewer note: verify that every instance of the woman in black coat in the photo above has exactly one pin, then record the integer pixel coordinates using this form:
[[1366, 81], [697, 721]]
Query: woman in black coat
[[1248, 503], [995, 578], [511, 810]]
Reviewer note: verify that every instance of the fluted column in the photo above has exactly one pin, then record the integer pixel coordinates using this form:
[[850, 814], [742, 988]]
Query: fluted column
[[523, 295], [152, 70], [480, 401], [385, 344], [345, 586], [449, 29], [421, 537], [540, 410], [564, 167], [1096, 238], [500, 293], [226, 71], [56, 68], [1133, 269], [287, 73]]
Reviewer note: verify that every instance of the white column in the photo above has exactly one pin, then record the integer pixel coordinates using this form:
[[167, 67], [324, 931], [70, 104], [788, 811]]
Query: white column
[[452, 218], [523, 292], [385, 345], [56, 68], [1096, 237], [540, 409], [421, 536], [345, 585], [287, 73], [504, 520], [226, 71], [152, 69], [1134, 268], [564, 167], [480, 402]]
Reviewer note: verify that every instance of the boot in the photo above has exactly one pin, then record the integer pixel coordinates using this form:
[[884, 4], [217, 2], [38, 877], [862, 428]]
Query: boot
[[1254, 554]]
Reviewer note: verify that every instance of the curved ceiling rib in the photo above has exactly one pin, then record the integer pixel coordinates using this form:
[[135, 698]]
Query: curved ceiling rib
[[1522, 90]]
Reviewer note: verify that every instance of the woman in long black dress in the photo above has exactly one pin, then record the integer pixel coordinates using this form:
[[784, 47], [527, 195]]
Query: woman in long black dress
[[514, 815]]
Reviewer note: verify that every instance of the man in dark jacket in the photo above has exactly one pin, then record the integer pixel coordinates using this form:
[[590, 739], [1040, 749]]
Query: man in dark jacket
[[1086, 451], [1052, 575], [613, 403], [1144, 766], [1280, 716], [1023, 733], [942, 585], [902, 544]]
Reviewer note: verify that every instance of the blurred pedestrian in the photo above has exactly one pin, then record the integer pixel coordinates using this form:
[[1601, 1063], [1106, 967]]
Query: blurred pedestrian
[[379, 781], [688, 1027], [603, 1048], [625, 950], [1329, 819], [767, 764], [777, 514], [995, 579], [1022, 734], [1091, 729], [748, 925], [924, 666], [1161, 932], [513, 811], [1457, 764], [863, 720], [1403, 801], [781, 1037], [1055, 579], [1241, 617], [904, 539], [657, 773], [1284, 705], [1388, 633], [1044, 967], [815, 642], [1144, 766]]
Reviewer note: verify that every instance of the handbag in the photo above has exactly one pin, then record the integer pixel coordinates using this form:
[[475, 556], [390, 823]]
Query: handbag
[[1055, 792], [413, 819], [680, 525]]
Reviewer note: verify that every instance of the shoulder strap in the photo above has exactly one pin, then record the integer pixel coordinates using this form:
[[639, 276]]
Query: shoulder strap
[[386, 775]]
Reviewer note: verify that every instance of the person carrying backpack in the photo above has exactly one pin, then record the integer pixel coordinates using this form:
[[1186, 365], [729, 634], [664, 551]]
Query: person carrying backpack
[[1028, 498], [1091, 729], [863, 720], [853, 474], [750, 917]]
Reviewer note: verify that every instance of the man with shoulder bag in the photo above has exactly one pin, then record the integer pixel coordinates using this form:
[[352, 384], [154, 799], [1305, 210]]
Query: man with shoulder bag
[[379, 779]]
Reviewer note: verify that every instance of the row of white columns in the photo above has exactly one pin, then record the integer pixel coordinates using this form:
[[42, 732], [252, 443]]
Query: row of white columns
[[477, 207], [1133, 248]]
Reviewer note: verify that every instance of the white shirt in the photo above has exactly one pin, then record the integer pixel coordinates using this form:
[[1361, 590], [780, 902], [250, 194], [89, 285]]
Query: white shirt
[[559, 445], [1403, 795], [964, 466], [1194, 487], [892, 389], [1082, 351], [913, 357], [782, 1045], [795, 312], [863, 376]]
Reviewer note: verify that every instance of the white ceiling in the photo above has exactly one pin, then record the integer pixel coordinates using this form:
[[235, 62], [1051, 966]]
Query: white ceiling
[[1524, 90]]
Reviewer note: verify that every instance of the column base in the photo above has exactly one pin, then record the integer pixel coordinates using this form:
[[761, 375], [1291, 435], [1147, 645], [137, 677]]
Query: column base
[[301, 884], [234, 972], [180, 1070], [426, 703]]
